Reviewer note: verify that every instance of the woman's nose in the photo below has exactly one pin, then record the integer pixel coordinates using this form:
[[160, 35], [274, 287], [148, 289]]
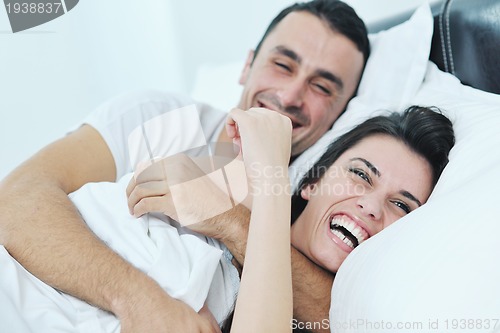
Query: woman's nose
[[370, 206]]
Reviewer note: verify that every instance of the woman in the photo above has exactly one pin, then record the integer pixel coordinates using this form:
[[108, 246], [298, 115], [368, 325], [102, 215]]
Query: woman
[[413, 147]]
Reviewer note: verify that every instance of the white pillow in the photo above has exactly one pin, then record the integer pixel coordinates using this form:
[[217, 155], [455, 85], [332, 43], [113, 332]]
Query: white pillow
[[394, 72], [436, 269]]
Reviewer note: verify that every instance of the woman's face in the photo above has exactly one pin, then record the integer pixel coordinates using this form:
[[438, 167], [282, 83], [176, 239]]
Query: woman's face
[[370, 186]]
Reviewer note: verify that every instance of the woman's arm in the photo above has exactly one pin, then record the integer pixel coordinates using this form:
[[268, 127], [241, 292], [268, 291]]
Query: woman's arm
[[265, 302], [265, 297]]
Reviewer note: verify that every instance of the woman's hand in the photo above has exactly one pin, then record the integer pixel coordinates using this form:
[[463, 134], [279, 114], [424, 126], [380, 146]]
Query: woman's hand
[[263, 135]]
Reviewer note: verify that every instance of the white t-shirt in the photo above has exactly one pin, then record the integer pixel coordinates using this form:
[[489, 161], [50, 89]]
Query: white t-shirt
[[164, 116]]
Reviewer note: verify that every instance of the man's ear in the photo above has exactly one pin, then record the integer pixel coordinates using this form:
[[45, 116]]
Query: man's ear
[[305, 193], [246, 69]]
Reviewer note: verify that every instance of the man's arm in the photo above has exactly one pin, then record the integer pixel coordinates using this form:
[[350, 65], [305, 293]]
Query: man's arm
[[41, 228], [311, 291]]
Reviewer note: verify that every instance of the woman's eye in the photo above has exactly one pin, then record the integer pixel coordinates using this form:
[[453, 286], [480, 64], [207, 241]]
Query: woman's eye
[[403, 206], [361, 174]]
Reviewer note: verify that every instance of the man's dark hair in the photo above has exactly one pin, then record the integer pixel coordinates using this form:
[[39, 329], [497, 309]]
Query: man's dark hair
[[340, 17]]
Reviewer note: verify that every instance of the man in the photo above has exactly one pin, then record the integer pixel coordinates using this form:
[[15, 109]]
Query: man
[[307, 67]]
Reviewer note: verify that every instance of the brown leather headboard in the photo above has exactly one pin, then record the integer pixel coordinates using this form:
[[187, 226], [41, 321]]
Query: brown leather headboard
[[466, 40]]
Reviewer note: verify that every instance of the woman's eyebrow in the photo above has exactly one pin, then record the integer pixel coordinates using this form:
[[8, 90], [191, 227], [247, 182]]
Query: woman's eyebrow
[[411, 197], [373, 169], [368, 165]]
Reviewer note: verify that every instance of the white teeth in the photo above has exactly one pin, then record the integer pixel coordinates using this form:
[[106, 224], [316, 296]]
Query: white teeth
[[346, 240], [358, 232]]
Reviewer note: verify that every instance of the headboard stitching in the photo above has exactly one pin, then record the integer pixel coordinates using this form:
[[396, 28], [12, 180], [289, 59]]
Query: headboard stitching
[[441, 33], [448, 33]]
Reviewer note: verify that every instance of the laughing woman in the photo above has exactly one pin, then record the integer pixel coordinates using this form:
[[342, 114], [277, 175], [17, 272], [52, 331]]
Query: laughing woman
[[375, 174]]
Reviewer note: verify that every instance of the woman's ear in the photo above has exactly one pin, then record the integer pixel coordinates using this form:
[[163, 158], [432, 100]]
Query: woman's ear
[[246, 69], [305, 193]]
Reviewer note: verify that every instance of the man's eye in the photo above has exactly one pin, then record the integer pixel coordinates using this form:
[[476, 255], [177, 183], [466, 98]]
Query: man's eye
[[283, 66], [403, 206], [322, 89], [361, 174]]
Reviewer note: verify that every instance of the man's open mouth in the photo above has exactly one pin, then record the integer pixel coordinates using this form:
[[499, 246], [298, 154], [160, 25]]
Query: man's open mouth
[[348, 231]]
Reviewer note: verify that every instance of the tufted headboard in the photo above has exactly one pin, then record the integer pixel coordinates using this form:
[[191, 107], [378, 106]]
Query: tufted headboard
[[466, 40]]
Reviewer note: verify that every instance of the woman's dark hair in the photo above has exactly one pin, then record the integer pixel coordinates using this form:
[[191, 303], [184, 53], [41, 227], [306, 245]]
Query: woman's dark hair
[[340, 17], [425, 130]]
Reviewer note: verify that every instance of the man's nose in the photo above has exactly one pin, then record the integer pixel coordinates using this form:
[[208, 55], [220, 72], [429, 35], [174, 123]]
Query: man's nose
[[292, 93]]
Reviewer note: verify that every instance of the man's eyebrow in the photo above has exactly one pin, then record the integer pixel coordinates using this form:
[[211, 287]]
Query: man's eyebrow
[[376, 172], [327, 75], [288, 53]]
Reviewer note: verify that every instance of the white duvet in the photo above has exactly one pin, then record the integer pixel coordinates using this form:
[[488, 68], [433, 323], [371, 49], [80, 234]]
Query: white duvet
[[189, 267]]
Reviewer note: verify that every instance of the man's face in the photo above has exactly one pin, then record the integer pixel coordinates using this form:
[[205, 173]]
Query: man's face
[[305, 71]]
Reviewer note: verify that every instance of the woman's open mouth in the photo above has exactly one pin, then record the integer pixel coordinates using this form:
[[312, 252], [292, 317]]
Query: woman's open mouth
[[348, 231]]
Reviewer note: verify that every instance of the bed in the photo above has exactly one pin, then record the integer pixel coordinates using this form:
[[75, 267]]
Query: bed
[[436, 270]]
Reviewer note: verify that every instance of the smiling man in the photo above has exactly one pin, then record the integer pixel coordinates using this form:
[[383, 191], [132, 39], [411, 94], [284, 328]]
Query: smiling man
[[307, 67]]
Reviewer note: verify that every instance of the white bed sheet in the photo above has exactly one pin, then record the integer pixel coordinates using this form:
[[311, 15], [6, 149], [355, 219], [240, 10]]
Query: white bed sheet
[[187, 266]]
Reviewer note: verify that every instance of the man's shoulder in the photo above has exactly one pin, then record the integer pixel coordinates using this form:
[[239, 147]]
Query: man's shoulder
[[151, 96], [156, 101]]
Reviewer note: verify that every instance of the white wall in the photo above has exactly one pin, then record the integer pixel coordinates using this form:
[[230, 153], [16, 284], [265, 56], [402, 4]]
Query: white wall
[[54, 74]]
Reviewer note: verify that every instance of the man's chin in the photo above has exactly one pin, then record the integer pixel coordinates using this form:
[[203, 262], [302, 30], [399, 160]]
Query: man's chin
[[298, 134], [297, 149]]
